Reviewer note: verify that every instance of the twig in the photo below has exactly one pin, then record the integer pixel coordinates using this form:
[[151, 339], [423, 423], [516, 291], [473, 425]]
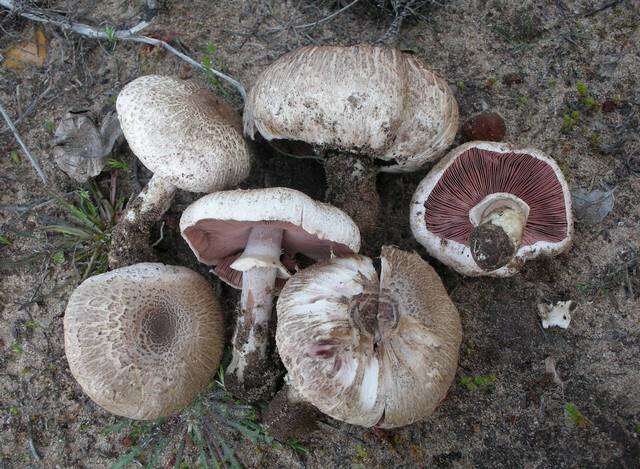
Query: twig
[[161, 236], [32, 159], [29, 109], [326, 18], [124, 35], [606, 6]]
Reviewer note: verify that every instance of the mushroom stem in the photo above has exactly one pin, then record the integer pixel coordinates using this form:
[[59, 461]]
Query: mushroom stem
[[495, 241], [260, 264], [130, 237], [351, 186]]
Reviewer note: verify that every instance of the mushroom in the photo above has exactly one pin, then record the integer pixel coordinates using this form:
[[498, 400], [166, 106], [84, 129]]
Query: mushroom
[[363, 108], [142, 341], [249, 235], [369, 349], [487, 207], [188, 138]]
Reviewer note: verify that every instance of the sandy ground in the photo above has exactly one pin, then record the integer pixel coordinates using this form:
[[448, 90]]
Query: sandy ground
[[521, 59]]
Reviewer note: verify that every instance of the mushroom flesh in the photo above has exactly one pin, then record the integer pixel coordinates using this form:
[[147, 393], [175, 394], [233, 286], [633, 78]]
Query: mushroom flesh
[[368, 349], [249, 236], [487, 207], [188, 138], [363, 108], [142, 341]]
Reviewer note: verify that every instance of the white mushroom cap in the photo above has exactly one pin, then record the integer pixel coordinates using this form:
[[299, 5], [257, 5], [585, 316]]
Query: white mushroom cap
[[217, 226], [442, 209], [183, 133], [142, 341], [362, 99], [369, 351]]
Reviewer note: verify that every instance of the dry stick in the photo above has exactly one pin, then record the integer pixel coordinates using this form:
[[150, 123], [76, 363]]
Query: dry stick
[[327, 18], [284, 27], [29, 109], [124, 35], [32, 159]]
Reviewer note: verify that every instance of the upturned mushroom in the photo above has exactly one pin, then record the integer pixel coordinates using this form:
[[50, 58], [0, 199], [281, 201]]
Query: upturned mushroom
[[142, 341], [368, 349], [487, 207], [188, 138], [364, 109], [250, 236]]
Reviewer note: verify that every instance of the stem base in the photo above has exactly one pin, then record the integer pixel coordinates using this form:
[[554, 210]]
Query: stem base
[[351, 186]]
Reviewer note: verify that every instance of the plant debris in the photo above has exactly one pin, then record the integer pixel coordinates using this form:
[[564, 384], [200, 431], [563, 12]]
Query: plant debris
[[556, 315], [80, 147], [33, 52], [592, 206]]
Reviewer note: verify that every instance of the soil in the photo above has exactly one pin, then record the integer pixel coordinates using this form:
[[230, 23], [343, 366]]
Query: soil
[[562, 74]]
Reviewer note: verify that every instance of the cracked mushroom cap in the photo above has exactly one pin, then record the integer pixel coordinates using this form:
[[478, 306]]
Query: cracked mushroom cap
[[364, 99], [217, 227], [368, 349], [142, 341], [183, 133], [442, 207]]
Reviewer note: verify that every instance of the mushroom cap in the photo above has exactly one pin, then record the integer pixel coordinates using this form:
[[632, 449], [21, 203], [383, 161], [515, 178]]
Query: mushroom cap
[[364, 99], [142, 341], [183, 133], [441, 209], [217, 227], [337, 365]]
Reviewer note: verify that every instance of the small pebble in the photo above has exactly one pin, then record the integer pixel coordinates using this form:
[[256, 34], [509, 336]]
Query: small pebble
[[484, 126], [609, 106], [511, 79]]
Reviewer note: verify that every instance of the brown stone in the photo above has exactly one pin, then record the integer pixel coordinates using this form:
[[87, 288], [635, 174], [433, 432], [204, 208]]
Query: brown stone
[[484, 126]]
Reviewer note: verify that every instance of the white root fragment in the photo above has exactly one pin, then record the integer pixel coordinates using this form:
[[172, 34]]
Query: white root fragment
[[260, 264]]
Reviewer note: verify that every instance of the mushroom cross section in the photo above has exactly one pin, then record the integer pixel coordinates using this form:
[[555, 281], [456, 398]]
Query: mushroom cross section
[[189, 138], [363, 108], [252, 237], [142, 341], [488, 207], [369, 349]]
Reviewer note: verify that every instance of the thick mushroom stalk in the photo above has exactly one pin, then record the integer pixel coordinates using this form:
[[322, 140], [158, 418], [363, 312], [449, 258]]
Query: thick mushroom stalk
[[130, 237], [500, 220], [260, 265], [351, 185]]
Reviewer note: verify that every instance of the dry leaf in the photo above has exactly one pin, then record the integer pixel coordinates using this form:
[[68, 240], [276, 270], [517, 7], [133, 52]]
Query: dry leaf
[[32, 52], [81, 147]]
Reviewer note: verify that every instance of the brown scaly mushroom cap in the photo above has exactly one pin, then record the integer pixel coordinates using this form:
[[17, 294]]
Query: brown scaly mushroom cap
[[355, 105], [368, 349], [188, 138], [142, 341], [250, 236], [488, 207]]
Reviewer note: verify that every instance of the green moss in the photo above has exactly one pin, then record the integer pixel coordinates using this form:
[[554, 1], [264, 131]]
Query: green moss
[[473, 383], [582, 89], [570, 120], [15, 157], [575, 416]]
